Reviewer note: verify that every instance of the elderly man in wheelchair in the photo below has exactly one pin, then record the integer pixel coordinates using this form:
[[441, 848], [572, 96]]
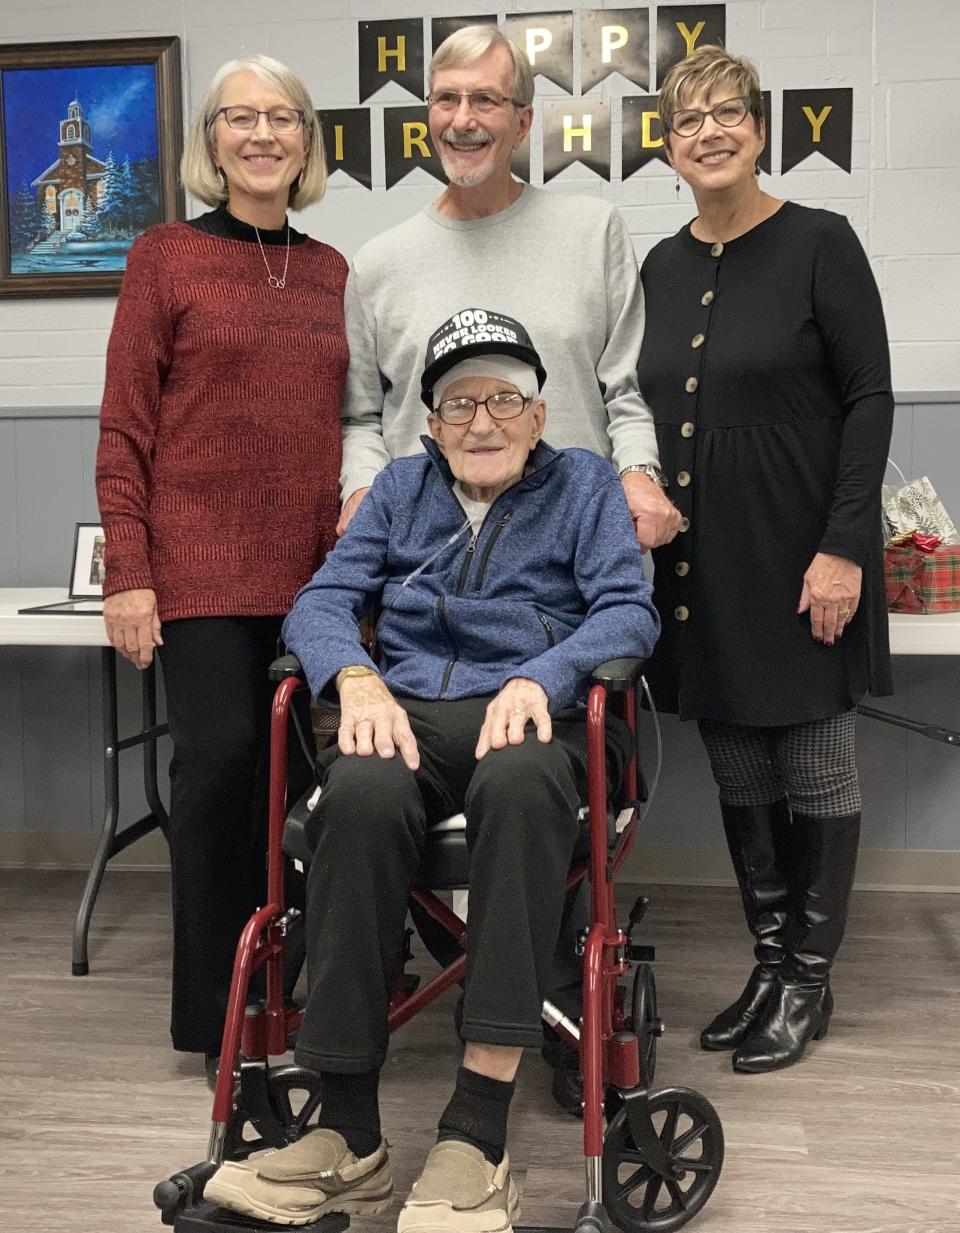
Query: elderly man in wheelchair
[[501, 571]]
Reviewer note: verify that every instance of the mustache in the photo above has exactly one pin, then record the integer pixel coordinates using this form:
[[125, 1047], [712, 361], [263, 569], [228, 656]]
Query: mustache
[[476, 137]]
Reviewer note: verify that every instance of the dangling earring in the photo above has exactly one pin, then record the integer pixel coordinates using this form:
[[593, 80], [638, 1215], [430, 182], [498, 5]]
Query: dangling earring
[[678, 185], [757, 168], [223, 180]]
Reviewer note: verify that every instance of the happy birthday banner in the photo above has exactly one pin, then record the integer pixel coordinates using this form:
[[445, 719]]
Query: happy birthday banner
[[576, 129]]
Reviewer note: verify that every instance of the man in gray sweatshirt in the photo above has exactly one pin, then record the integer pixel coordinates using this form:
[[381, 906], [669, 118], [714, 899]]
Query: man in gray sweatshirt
[[564, 265]]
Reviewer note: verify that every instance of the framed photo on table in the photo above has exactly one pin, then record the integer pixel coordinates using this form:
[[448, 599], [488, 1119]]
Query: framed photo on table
[[85, 595], [90, 141]]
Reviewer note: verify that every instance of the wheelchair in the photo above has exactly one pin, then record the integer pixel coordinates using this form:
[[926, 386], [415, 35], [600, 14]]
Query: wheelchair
[[652, 1156]]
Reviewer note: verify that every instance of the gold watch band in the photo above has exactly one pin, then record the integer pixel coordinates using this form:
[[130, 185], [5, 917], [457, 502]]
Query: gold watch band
[[353, 670]]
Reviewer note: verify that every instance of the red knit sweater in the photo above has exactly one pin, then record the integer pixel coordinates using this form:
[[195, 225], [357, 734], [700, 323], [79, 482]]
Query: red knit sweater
[[219, 447]]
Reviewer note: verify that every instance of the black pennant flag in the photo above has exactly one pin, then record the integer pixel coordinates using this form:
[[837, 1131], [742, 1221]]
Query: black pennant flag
[[391, 51], [642, 139], [520, 162], [817, 122], [682, 28], [576, 131], [547, 38], [614, 41], [407, 144], [765, 159], [442, 27], [346, 142]]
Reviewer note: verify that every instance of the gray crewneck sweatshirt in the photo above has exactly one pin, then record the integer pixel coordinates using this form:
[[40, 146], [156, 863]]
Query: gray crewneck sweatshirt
[[563, 266]]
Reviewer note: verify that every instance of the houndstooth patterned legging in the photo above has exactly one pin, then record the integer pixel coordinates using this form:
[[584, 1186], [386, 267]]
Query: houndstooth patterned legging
[[813, 765]]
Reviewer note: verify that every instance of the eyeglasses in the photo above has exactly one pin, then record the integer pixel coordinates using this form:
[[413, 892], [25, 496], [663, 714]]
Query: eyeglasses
[[499, 407], [246, 119], [728, 114], [483, 101]]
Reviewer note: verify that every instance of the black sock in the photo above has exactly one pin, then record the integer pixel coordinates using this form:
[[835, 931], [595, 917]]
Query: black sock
[[351, 1106], [477, 1113]]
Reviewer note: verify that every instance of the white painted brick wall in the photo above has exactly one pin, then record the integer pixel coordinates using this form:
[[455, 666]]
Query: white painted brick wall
[[903, 197]]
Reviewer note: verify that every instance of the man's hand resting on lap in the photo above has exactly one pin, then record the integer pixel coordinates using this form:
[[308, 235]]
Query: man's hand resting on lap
[[520, 700], [371, 721]]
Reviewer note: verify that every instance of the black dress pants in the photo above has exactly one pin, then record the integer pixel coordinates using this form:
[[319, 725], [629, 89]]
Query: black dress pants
[[368, 833], [218, 708]]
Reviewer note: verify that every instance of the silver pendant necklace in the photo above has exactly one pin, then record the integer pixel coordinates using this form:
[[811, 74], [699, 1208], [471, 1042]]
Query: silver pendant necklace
[[281, 282]]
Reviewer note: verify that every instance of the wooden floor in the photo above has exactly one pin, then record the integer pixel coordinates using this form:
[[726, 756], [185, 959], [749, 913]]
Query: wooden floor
[[862, 1137]]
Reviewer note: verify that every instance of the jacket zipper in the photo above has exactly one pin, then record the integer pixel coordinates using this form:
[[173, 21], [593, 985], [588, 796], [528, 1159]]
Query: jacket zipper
[[494, 536], [548, 629], [441, 613]]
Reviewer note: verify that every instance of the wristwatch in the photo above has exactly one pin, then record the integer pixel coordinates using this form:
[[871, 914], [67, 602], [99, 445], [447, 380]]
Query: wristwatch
[[353, 670], [649, 470]]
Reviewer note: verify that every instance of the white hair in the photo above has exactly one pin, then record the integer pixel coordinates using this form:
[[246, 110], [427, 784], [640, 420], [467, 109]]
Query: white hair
[[469, 43]]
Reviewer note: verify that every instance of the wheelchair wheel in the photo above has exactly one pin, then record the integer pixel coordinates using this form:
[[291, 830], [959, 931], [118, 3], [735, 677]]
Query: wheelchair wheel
[[637, 1199], [275, 1106], [645, 1022]]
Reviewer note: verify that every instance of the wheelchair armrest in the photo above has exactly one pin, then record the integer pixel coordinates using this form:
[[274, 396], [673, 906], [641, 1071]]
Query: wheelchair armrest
[[618, 674], [285, 666]]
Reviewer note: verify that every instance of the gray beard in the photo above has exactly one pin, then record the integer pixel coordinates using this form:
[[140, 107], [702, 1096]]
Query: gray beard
[[469, 179]]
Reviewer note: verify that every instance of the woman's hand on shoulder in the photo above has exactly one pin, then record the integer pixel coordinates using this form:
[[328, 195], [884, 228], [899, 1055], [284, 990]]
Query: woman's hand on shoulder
[[133, 626], [521, 701], [372, 721], [831, 593]]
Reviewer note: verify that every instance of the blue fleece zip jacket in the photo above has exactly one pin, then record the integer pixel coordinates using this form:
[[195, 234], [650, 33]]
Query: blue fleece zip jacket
[[551, 586]]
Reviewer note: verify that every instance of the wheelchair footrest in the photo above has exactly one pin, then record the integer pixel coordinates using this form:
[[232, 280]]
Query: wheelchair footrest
[[205, 1217]]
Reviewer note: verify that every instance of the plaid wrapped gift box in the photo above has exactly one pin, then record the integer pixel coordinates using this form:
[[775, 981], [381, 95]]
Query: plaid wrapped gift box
[[922, 582]]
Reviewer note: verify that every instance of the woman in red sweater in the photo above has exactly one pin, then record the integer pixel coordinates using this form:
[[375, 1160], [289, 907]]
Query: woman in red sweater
[[217, 482]]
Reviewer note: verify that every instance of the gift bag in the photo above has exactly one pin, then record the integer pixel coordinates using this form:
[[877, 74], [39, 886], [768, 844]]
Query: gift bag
[[914, 506]]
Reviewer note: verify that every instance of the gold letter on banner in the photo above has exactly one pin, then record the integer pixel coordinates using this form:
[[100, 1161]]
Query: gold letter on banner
[[338, 143], [690, 38], [415, 134], [612, 38], [816, 122], [398, 53], [647, 139], [569, 132], [538, 40]]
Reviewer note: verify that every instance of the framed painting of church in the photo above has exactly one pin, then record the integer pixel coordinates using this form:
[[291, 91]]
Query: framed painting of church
[[90, 140]]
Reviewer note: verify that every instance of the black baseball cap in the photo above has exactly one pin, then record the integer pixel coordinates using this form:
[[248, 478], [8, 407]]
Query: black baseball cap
[[471, 332]]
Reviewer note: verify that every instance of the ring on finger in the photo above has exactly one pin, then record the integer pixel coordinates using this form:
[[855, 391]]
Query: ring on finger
[[519, 710], [365, 720]]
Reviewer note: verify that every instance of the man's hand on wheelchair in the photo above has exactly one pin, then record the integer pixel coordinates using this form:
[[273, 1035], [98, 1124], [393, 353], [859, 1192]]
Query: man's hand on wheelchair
[[371, 721], [519, 702]]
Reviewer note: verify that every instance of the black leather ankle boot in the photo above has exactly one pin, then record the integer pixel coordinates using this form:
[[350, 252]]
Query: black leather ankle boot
[[759, 838], [800, 1007]]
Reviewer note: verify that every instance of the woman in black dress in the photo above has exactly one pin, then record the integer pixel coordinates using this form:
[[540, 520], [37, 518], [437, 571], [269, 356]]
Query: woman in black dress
[[765, 362]]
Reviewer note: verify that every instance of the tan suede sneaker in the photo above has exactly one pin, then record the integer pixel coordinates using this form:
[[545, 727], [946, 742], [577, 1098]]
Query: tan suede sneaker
[[460, 1191], [302, 1182]]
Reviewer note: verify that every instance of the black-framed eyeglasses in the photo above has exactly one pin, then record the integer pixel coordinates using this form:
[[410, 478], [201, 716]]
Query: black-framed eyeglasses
[[499, 407], [246, 119], [728, 114], [483, 101]]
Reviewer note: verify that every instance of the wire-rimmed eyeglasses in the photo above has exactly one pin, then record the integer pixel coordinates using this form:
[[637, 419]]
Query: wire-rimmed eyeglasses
[[483, 101], [689, 121], [499, 407], [246, 119]]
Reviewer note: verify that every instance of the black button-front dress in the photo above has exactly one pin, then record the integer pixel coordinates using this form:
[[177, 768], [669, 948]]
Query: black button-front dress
[[766, 365]]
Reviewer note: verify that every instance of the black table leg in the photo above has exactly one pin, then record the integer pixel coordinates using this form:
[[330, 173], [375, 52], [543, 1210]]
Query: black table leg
[[110, 842]]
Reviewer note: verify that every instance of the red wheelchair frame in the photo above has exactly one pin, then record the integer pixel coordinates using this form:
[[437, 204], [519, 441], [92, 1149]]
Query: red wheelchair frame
[[650, 1134]]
